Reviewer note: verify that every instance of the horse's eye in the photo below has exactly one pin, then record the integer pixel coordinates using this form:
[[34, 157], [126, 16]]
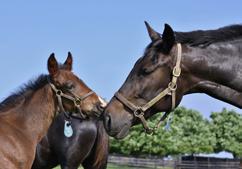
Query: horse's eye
[[58, 84], [145, 71], [69, 86], [142, 72]]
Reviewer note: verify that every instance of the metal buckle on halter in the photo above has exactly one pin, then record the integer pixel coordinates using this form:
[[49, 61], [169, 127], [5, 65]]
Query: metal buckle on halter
[[176, 71], [139, 113]]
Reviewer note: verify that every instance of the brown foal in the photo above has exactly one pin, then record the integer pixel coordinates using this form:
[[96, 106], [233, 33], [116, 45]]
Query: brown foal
[[26, 115]]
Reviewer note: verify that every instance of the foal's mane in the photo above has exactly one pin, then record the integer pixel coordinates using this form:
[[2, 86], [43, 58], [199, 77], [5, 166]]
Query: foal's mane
[[23, 92], [203, 38], [26, 90]]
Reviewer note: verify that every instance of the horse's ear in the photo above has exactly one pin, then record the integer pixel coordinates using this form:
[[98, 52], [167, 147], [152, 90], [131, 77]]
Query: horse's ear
[[52, 65], [152, 33], [68, 62], [168, 38]]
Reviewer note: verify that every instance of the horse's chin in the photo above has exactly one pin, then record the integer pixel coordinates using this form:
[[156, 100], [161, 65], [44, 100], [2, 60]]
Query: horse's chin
[[123, 132]]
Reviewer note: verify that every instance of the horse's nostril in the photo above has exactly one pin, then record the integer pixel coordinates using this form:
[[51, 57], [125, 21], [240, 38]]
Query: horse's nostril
[[108, 122]]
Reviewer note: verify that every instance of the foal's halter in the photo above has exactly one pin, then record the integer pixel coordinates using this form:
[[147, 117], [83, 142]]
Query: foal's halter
[[75, 99], [138, 111]]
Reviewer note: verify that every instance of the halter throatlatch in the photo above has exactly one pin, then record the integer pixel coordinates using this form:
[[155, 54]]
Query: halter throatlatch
[[75, 99], [139, 111]]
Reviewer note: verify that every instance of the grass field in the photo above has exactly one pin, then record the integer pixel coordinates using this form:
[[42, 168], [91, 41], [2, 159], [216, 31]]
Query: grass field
[[111, 166]]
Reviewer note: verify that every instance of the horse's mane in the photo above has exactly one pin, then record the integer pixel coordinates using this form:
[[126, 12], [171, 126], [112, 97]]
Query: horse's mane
[[23, 92], [203, 38]]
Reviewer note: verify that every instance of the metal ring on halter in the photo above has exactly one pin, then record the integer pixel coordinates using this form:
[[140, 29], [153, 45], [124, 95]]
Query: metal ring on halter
[[58, 92], [172, 86], [138, 112], [77, 102]]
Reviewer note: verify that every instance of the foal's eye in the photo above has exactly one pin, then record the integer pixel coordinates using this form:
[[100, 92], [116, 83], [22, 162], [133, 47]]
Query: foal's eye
[[69, 85]]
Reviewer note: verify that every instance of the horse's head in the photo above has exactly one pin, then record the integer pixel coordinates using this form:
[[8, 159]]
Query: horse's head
[[73, 95], [151, 75]]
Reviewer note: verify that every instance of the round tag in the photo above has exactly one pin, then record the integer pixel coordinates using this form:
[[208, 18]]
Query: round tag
[[68, 131]]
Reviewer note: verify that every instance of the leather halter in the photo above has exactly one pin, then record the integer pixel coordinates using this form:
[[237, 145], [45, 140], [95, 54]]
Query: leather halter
[[138, 111], [75, 99]]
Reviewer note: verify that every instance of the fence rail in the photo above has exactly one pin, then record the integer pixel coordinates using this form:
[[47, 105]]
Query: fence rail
[[141, 162], [206, 165], [173, 164]]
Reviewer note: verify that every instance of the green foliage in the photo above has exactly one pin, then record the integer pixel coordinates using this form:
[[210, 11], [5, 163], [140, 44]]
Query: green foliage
[[227, 126], [189, 133]]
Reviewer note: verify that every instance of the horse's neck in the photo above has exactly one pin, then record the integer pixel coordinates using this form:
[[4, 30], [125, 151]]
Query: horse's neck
[[43, 105], [220, 63], [35, 114]]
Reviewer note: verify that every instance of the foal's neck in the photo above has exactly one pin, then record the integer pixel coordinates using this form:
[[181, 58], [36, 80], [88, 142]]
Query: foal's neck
[[37, 112]]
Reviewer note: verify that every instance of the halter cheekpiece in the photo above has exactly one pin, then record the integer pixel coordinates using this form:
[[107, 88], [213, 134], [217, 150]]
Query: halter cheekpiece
[[74, 98]]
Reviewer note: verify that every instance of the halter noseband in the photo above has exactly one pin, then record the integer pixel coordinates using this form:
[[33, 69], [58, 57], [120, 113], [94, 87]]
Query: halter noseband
[[76, 100], [138, 111]]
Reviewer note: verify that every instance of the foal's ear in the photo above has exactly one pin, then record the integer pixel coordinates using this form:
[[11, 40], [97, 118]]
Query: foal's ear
[[52, 65], [68, 62], [168, 38], [152, 33]]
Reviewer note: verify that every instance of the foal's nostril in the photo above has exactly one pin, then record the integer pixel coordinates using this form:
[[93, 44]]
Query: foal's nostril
[[108, 122]]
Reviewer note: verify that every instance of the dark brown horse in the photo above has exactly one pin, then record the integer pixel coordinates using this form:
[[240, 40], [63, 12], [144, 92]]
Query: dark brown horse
[[88, 145], [26, 115], [175, 64]]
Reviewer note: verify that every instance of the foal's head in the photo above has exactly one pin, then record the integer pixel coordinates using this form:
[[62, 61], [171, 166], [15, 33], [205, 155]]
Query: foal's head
[[150, 75], [65, 81]]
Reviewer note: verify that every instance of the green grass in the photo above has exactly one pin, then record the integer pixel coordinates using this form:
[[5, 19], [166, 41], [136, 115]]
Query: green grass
[[112, 166]]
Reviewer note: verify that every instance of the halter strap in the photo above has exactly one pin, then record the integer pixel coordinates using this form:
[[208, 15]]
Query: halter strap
[[76, 100], [170, 90]]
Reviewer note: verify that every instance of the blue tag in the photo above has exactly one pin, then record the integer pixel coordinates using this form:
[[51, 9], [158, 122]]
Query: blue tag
[[68, 131], [168, 125], [168, 122]]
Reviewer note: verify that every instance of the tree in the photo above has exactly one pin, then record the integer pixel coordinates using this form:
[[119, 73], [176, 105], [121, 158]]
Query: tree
[[227, 126], [189, 133]]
